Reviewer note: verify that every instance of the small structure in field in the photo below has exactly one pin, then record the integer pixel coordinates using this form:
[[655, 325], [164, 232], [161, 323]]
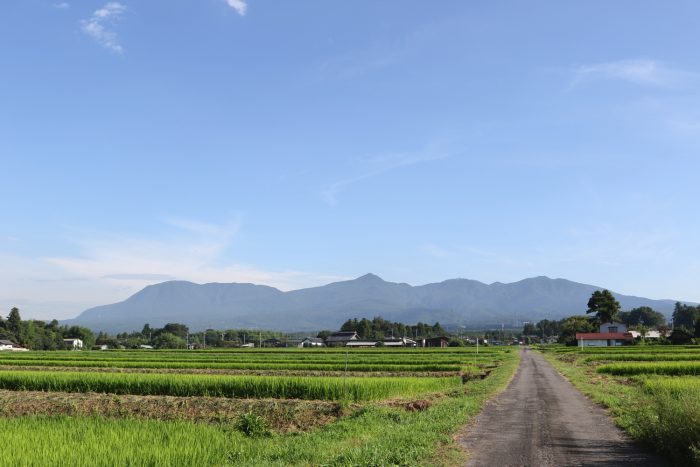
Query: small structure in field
[[73, 344], [312, 342], [342, 338], [400, 342], [610, 335], [361, 344], [440, 341], [6, 345]]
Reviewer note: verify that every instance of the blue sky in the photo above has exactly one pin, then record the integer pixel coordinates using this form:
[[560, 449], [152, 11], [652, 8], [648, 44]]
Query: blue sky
[[299, 142]]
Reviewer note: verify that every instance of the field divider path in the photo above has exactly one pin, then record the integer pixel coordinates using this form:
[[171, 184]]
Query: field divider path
[[542, 420]]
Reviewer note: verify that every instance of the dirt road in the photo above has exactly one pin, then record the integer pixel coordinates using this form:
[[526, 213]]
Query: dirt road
[[541, 420]]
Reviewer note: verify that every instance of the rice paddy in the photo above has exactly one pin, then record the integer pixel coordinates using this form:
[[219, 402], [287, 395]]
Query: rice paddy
[[243, 406]]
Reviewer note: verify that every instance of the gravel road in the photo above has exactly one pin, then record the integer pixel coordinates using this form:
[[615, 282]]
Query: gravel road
[[541, 420]]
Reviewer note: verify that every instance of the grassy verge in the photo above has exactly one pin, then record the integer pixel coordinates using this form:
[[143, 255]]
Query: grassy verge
[[377, 434], [660, 418]]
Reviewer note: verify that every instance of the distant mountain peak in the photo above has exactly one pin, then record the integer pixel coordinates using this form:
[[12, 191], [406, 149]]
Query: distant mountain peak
[[369, 277], [451, 302]]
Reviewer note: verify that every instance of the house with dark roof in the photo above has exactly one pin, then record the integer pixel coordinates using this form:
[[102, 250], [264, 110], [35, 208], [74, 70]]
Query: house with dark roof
[[340, 339], [6, 344]]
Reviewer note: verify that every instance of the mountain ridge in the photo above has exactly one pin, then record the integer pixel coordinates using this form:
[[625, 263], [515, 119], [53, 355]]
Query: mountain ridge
[[459, 302]]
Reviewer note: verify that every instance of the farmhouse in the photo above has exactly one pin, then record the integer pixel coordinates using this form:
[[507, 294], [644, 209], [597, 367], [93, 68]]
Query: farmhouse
[[441, 342], [339, 339], [312, 342], [73, 344], [6, 345], [610, 335]]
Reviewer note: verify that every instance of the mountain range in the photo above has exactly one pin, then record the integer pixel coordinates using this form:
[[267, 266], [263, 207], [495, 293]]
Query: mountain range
[[456, 302]]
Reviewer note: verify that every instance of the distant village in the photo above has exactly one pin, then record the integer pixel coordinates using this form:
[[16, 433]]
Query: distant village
[[604, 325]]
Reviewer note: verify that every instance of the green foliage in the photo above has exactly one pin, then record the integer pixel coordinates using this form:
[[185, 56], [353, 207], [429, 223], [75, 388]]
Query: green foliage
[[685, 315], [660, 368], [374, 435], [252, 425], [357, 389], [604, 305], [643, 315], [572, 325], [177, 329], [681, 336], [379, 328], [166, 340]]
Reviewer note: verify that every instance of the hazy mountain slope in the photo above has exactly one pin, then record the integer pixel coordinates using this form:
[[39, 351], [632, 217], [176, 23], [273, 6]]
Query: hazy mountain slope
[[455, 301]]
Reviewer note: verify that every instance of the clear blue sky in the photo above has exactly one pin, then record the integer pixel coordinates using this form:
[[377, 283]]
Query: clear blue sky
[[292, 143]]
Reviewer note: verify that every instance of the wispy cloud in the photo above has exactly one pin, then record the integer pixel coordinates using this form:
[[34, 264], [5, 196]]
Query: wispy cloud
[[241, 6], [62, 5], [639, 71], [100, 26], [376, 166], [109, 267]]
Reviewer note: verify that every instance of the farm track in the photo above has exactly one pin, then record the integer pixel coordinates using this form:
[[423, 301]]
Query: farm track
[[542, 420]]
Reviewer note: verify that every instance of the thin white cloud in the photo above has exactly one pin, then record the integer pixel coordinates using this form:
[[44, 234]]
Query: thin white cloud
[[62, 5], [100, 26], [377, 166], [107, 268], [640, 71], [241, 6]]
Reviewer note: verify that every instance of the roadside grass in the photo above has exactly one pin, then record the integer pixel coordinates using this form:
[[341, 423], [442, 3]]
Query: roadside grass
[[653, 411], [376, 434]]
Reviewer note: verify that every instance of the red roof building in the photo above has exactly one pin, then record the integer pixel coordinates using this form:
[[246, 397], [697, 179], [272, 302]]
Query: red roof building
[[603, 339]]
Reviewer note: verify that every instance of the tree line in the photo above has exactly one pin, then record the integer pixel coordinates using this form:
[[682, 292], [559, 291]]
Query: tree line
[[378, 328], [39, 335], [604, 308]]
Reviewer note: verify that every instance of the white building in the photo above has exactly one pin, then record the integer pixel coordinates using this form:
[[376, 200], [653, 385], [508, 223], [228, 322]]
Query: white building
[[73, 344], [6, 345]]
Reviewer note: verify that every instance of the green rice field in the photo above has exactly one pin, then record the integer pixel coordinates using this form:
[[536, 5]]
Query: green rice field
[[245, 406]]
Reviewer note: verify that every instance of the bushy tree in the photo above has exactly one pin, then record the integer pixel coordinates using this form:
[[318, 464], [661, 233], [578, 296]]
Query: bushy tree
[[604, 305], [685, 315], [572, 325], [166, 340], [642, 315], [681, 336]]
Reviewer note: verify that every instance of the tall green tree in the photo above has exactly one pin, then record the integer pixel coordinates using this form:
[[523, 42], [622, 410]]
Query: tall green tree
[[14, 321], [685, 315], [604, 305]]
